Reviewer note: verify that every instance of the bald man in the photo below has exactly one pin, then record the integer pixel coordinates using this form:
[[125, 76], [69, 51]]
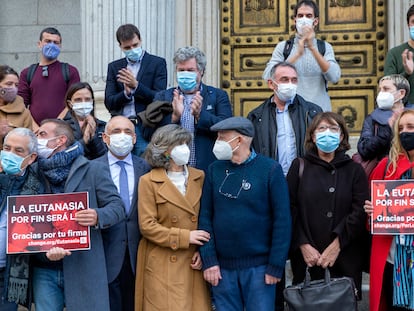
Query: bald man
[[121, 241]]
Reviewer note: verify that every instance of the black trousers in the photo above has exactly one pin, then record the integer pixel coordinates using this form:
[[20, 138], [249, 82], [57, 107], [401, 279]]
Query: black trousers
[[122, 289]]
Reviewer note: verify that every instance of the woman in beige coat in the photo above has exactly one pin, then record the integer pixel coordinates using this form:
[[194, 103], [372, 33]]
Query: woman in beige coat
[[13, 112], [168, 265]]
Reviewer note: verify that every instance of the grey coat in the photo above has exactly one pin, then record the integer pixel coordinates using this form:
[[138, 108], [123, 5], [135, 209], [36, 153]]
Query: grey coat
[[86, 284]]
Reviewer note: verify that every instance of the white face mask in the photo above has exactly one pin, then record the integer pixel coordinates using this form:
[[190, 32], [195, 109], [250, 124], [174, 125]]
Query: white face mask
[[222, 149], [286, 91], [120, 144], [43, 151], [385, 100], [82, 109], [180, 154], [301, 22]]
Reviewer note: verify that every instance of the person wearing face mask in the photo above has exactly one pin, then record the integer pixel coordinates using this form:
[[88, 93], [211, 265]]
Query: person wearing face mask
[[62, 168], [133, 81], [245, 209], [399, 59], [196, 106], [280, 123], [13, 112], [326, 198], [168, 263], [315, 69], [121, 241], [391, 282], [80, 104], [17, 178], [376, 134], [43, 86]]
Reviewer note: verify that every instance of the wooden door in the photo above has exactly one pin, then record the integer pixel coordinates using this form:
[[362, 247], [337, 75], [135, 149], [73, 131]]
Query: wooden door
[[250, 29]]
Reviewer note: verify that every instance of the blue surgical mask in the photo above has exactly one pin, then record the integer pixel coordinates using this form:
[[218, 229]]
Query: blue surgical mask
[[11, 163], [51, 51], [187, 80], [412, 32], [133, 54], [327, 141]]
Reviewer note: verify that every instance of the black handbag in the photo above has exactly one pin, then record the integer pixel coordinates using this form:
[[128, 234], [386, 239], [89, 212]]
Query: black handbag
[[336, 294]]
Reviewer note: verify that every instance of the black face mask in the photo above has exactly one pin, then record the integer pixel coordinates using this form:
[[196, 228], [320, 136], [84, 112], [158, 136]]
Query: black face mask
[[407, 140]]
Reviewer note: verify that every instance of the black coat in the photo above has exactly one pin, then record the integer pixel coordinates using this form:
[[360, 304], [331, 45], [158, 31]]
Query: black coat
[[327, 202], [264, 121], [376, 135], [95, 147]]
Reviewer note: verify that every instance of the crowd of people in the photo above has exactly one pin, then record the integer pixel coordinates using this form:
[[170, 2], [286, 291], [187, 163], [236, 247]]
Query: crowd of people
[[192, 208]]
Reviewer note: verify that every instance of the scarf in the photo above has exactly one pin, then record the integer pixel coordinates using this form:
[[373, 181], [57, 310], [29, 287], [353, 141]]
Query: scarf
[[18, 281], [57, 168], [403, 290], [18, 265]]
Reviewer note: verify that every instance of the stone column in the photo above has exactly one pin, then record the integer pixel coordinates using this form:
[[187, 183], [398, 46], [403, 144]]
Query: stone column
[[397, 21], [99, 21], [206, 36]]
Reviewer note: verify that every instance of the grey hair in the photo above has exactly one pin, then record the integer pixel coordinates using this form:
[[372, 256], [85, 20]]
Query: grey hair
[[188, 52], [400, 83], [24, 132], [164, 138], [281, 64]]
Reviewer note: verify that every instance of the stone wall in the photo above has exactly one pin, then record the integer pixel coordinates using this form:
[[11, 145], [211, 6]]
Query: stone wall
[[21, 22]]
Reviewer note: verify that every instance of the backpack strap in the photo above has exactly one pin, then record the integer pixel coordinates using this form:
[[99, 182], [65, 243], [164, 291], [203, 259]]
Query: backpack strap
[[289, 45], [65, 72], [321, 46], [32, 69], [287, 49], [30, 73], [301, 167]]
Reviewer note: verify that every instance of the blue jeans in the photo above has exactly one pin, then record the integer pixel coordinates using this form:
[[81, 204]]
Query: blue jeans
[[48, 289], [140, 144], [4, 304], [244, 289]]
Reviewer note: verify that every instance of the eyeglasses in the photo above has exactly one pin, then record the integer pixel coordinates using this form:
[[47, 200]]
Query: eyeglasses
[[45, 72], [231, 190], [332, 128]]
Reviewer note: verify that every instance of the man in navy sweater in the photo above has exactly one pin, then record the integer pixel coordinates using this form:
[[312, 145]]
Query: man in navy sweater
[[245, 208]]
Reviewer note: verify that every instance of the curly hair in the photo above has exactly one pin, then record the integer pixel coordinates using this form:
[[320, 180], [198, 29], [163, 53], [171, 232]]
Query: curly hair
[[163, 140], [189, 52]]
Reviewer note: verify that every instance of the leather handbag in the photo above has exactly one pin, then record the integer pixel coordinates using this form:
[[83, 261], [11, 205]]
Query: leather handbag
[[329, 294]]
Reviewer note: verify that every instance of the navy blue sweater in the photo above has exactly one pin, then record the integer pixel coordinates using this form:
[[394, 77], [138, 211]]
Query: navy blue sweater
[[246, 210]]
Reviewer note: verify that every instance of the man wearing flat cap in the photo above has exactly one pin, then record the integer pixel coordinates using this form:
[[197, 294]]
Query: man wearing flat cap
[[245, 208]]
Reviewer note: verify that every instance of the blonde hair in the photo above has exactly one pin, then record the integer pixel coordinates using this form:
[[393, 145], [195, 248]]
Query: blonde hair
[[396, 147]]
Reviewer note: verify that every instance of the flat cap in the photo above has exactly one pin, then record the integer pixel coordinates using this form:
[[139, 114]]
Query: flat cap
[[240, 124]]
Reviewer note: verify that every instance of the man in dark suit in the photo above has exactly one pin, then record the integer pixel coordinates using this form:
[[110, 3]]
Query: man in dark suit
[[121, 241], [133, 81], [195, 106]]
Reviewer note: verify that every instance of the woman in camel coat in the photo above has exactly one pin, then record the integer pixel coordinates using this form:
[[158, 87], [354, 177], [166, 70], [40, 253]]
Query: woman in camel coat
[[168, 264]]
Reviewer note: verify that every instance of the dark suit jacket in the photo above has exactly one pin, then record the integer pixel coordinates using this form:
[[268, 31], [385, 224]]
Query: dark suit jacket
[[152, 78], [127, 231], [216, 107]]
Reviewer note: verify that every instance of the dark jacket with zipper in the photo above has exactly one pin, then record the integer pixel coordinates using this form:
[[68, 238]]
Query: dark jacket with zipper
[[301, 113]]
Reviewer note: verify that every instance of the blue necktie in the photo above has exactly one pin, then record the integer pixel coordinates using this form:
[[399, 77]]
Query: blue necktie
[[123, 186]]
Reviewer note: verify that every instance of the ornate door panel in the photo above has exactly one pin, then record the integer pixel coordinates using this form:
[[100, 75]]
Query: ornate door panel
[[250, 29]]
